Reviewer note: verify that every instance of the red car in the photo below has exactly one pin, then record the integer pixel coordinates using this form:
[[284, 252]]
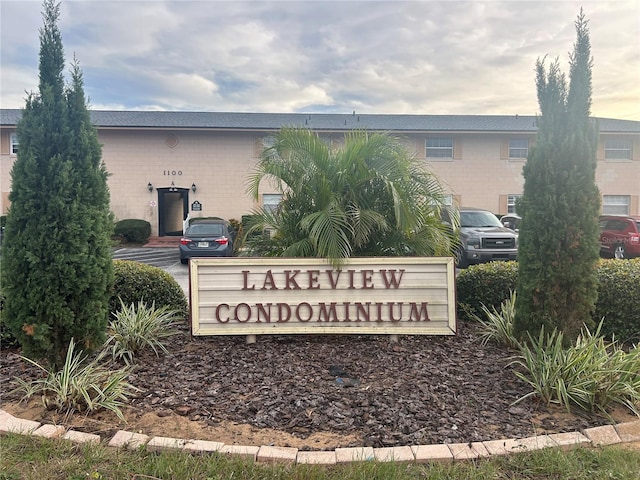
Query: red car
[[620, 236]]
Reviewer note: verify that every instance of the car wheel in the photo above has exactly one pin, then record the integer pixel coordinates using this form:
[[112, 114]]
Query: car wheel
[[461, 259], [619, 252], [184, 261]]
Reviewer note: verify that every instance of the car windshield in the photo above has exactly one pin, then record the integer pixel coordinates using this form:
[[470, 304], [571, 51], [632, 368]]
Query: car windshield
[[479, 219], [205, 229]]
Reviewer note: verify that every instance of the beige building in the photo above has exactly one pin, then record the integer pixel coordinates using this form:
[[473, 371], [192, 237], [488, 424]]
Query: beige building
[[166, 165]]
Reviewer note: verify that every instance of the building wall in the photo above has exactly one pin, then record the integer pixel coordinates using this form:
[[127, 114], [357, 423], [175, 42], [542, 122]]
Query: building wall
[[620, 177], [478, 175], [6, 164], [219, 163]]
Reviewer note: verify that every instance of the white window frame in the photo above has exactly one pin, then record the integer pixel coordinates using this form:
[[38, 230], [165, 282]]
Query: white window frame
[[13, 143], [518, 148], [270, 201], [447, 200], [616, 204], [617, 150], [439, 148], [511, 202]]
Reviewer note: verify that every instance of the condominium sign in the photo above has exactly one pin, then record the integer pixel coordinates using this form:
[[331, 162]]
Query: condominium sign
[[255, 296]]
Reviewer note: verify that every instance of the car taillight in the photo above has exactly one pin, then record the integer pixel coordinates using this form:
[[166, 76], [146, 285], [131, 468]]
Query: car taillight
[[634, 238], [185, 241], [222, 240]]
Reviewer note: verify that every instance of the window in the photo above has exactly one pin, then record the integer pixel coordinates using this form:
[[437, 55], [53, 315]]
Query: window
[[206, 229], [13, 140], [615, 225], [518, 148], [511, 203], [617, 150], [439, 148], [270, 201], [447, 200], [615, 204]]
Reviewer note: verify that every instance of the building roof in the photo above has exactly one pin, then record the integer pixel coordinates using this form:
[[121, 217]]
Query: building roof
[[320, 121]]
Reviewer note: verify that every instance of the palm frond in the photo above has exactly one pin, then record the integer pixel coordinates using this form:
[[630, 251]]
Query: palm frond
[[364, 195], [329, 232]]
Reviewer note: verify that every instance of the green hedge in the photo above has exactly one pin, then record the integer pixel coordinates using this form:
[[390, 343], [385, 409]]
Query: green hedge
[[136, 282], [619, 299], [7, 340], [133, 230], [618, 293], [486, 283]]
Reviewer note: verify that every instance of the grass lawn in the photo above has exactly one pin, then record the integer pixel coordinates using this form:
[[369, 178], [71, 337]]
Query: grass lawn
[[27, 457]]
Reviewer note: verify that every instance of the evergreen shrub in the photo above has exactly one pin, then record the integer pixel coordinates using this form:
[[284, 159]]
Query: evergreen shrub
[[619, 299], [7, 340], [56, 246], [618, 294], [558, 246], [137, 282], [236, 227], [487, 284], [133, 230]]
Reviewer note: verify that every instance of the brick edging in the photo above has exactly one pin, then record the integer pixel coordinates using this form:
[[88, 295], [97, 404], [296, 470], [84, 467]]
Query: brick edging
[[591, 437]]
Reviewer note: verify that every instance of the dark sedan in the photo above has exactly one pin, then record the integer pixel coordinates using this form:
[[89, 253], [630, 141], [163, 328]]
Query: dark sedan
[[206, 238]]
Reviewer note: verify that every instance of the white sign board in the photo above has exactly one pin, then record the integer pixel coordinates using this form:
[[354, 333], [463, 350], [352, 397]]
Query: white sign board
[[382, 295]]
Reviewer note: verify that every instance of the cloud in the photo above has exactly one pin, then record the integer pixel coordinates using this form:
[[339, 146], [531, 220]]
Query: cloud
[[433, 57]]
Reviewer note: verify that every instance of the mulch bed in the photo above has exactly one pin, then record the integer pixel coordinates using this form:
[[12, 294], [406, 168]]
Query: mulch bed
[[421, 390]]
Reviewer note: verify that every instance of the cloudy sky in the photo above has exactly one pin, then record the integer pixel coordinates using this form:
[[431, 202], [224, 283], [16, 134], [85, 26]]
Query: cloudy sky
[[416, 57]]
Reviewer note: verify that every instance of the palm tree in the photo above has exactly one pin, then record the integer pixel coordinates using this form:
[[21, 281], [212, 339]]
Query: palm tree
[[364, 196]]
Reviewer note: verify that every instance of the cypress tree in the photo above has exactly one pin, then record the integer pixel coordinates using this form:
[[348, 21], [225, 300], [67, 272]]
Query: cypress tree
[[558, 249], [56, 265]]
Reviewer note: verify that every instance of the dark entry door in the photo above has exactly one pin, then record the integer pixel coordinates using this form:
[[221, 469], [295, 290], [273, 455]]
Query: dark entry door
[[173, 208]]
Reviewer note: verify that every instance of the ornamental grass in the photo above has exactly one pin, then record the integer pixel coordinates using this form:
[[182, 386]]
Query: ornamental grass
[[81, 385], [137, 328], [593, 374]]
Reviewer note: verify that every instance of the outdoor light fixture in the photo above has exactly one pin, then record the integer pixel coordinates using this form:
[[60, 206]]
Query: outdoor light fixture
[[193, 187], [173, 188], [150, 187]]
